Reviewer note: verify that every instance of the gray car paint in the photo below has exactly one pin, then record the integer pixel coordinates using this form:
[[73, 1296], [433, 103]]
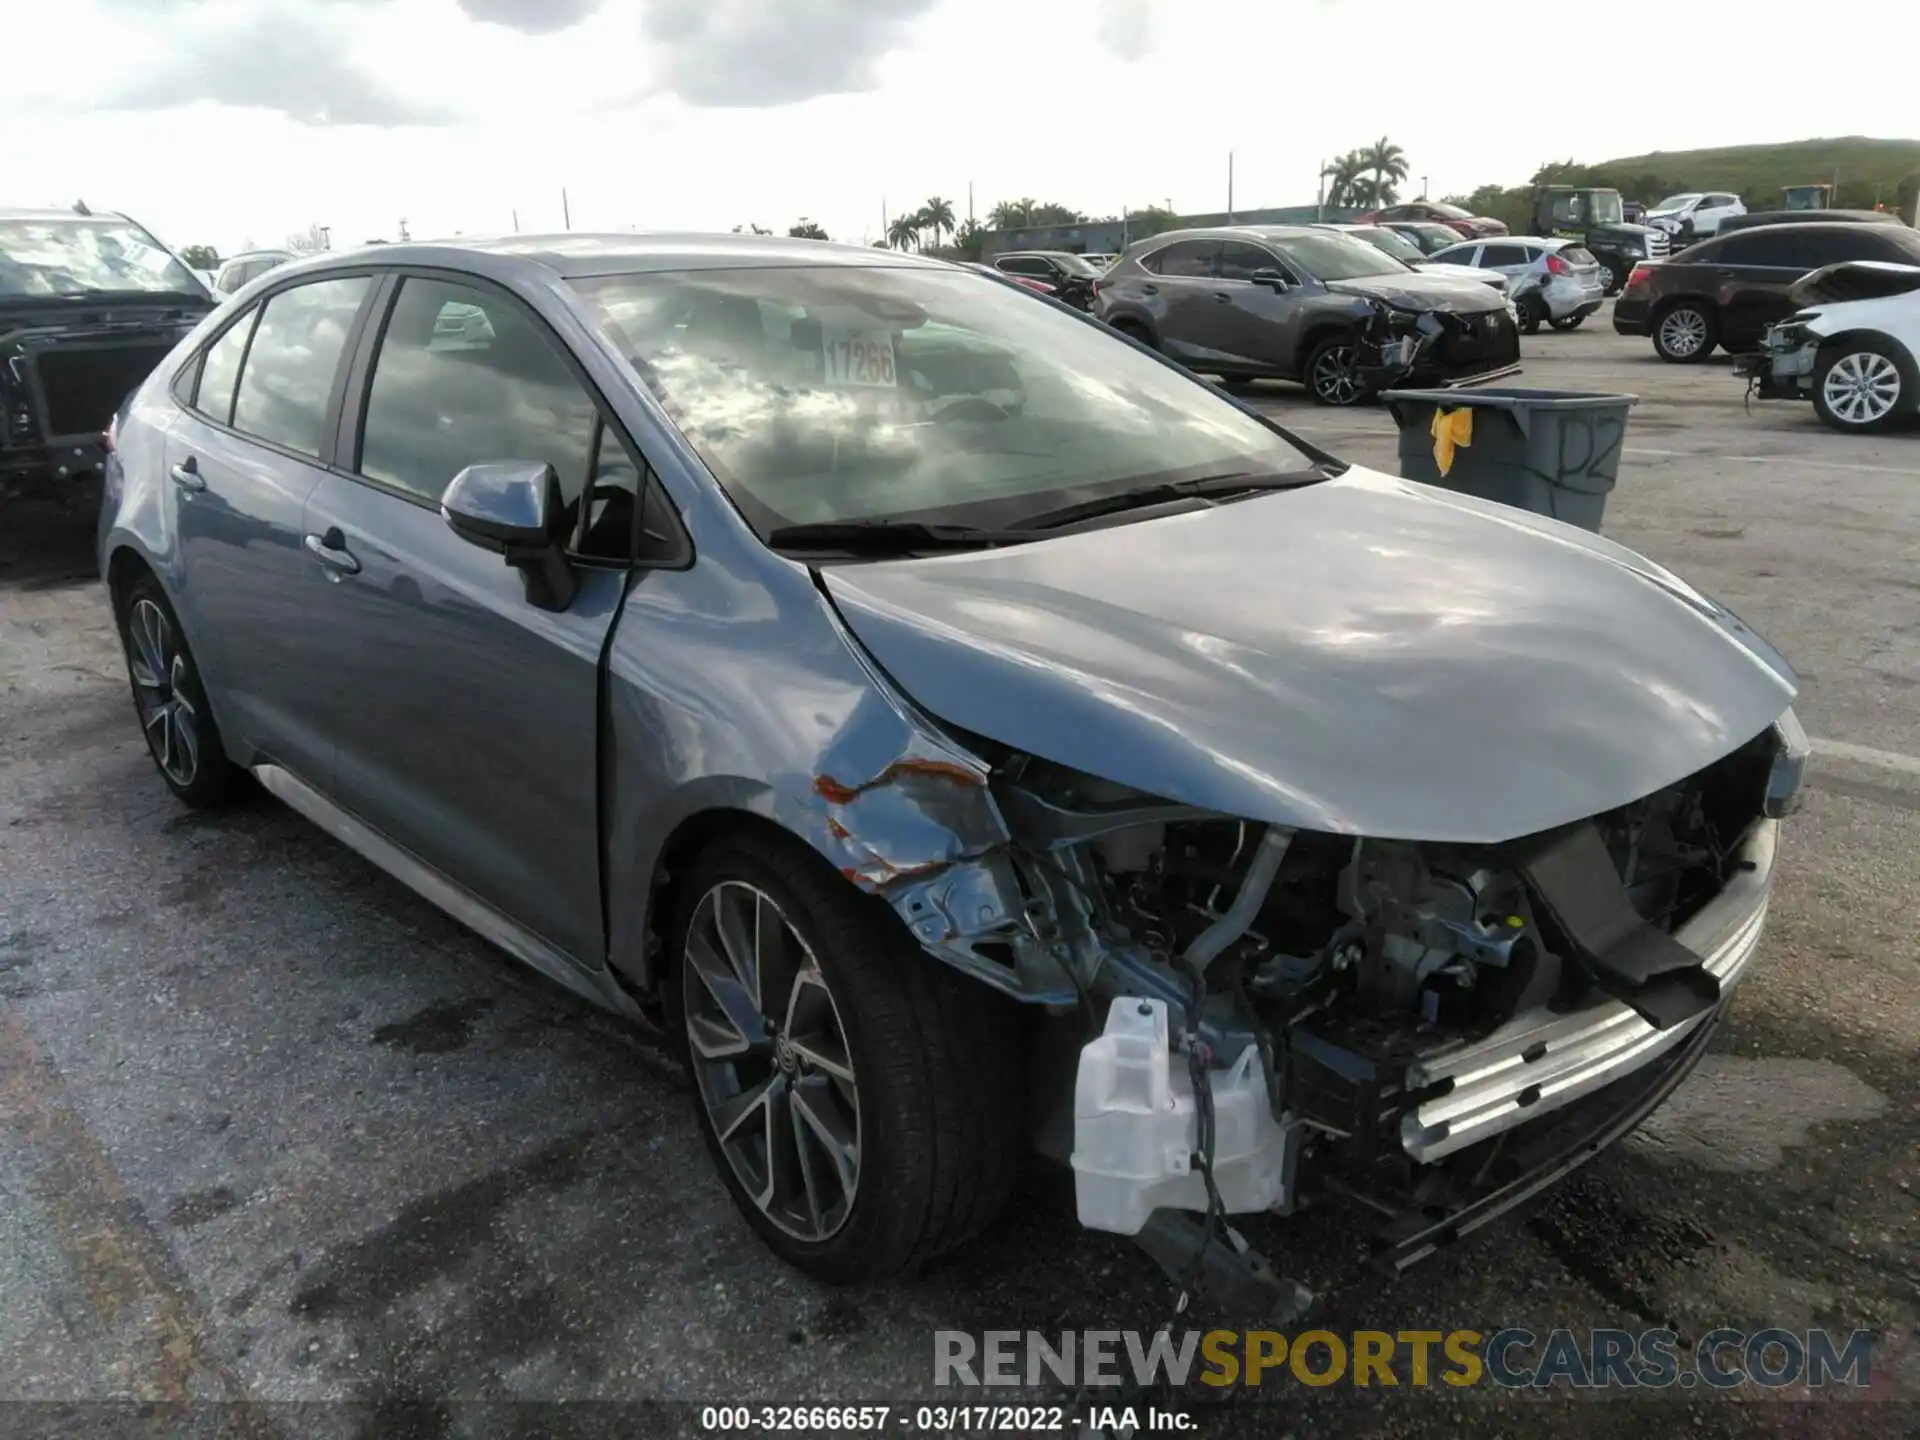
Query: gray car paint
[[732, 691], [1252, 327], [1367, 656]]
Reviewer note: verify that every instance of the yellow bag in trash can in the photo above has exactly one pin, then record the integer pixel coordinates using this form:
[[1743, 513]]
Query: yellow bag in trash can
[[1450, 428]]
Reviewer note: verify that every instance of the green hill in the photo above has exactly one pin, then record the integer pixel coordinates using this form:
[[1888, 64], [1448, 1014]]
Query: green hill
[[1870, 172], [1868, 169]]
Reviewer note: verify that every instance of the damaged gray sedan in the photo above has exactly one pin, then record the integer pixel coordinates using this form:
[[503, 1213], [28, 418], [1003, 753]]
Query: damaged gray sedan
[[964, 732]]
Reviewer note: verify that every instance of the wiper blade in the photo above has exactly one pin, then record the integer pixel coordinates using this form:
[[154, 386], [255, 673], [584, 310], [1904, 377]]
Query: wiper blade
[[1169, 490], [891, 535]]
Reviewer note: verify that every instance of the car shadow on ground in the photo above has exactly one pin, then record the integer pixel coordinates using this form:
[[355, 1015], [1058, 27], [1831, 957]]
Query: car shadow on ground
[[47, 544]]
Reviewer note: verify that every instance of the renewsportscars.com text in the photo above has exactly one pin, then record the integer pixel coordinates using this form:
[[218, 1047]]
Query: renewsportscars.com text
[[1514, 1357]]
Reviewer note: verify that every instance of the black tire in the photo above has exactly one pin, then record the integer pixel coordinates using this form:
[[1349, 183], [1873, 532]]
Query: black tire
[[169, 700], [1685, 332], [1874, 383], [1532, 312], [1616, 280], [1567, 322], [935, 1062], [1327, 373], [1134, 330]]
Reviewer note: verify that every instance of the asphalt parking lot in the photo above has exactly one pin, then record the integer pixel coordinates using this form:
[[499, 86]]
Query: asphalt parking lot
[[277, 1137]]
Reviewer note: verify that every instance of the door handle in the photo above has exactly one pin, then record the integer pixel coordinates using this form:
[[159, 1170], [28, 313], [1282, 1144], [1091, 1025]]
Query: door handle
[[331, 551], [187, 476]]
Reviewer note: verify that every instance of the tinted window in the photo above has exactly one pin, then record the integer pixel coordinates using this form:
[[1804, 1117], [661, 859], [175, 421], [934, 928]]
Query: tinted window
[[1025, 265], [1455, 255], [463, 376], [1799, 247], [1330, 255], [1240, 261], [290, 367], [1189, 258], [221, 368], [1493, 256]]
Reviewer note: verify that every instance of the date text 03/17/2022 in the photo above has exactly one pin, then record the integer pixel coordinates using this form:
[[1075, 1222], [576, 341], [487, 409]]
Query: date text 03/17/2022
[[1107, 1420]]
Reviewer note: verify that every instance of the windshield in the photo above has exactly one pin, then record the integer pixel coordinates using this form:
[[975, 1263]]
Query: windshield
[[63, 256], [1677, 202], [1332, 255], [1389, 242], [835, 393], [1606, 207], [1076, 265], [1452, 212]]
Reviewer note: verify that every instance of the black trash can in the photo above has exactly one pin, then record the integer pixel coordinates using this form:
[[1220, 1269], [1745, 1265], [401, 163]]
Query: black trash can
[[1554, 452]]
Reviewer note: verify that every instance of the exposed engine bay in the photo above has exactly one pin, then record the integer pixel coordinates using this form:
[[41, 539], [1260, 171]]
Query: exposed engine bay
[[1399, 344], [1291, 1002]]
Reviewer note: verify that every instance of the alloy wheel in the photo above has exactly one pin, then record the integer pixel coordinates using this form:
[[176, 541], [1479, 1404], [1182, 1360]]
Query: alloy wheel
[[771, 1060], [159, 669], [1862, 388], [1683, 332], [1333, 378]]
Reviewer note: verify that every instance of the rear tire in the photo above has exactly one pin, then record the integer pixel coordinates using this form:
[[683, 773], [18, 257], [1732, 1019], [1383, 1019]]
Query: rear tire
[[1134, 330], [170, 701], [1567, 322], [1864, 386], [1532, 312], [862, 1102], [1685, 333]]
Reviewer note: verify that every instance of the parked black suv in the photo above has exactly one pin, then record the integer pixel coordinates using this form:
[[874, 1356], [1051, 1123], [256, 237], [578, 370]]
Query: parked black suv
[[1726, 291], [89, 304], [1300, 303]]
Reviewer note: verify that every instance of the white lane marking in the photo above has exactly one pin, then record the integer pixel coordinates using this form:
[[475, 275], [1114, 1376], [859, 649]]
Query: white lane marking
[[1636, 450], [1820, 464], [1864, 755]]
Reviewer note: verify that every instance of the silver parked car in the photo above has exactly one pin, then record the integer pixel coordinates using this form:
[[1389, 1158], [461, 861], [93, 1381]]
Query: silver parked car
[[1551, 281], [239, 271], [954, 724]]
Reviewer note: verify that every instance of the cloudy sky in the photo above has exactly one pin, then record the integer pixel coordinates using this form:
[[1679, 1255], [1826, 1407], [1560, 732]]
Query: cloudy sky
[[229, 121]]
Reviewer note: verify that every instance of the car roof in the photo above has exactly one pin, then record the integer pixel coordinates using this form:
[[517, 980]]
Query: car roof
[[578, 254], [51, 212], [1238, 232]]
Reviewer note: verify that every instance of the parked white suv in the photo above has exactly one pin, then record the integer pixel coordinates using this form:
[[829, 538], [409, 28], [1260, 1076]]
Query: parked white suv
[[1853, 348], [1694, 216]]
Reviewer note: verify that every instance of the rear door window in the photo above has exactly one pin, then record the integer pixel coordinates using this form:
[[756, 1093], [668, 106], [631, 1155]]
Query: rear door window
[[1494, 256], [1189, 259], [1777, 246], [287, 384], [1025, 265]]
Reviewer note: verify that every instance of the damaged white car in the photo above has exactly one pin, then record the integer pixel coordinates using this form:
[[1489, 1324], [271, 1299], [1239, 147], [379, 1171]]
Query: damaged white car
[[1850, 348], [962, 729]]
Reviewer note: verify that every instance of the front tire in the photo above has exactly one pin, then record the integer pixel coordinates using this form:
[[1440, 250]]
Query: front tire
[[1567, 322], [861, 1101], [170, 700], [1685, 333], [1330, 372], [1864, 386]]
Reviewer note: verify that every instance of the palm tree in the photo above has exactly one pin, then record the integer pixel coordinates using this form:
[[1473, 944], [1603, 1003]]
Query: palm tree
[[1012, 214], [1387, 163], [937, 215], [1341, 177], [904, 233]]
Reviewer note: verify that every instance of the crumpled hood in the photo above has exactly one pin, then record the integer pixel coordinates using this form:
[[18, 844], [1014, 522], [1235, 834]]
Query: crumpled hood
[[1364, 656], [1419, 291]]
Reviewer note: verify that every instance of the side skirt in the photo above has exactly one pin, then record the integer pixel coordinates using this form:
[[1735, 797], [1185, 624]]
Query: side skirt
[[459, 902]]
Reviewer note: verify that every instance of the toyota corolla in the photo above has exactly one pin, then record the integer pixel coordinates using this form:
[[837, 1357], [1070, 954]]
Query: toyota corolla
[[962, 730]]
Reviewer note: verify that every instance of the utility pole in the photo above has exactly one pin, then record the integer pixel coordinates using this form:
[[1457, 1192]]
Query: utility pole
[[969, 202], [404, 237], [516, 221], [1320, 194], [1230, 187], [1423, 187], [566, 211]]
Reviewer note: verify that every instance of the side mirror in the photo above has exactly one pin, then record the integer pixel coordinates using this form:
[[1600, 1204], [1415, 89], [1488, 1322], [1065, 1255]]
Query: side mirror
[[1273, 280], [515, 509]]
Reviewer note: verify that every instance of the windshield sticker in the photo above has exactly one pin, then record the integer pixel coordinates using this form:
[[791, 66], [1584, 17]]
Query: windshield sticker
[[145, 257], [858, 357]]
